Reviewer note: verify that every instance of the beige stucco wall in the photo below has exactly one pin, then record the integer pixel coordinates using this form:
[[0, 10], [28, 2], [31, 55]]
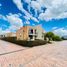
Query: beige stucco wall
[[40, 32], [23, 33]]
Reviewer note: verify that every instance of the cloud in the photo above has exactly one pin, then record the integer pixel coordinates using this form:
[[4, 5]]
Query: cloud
[[27, 1], [19, 5], [60, 31], [35, 5], [0, 5], [2, 17], [14, 20], [55, 9], [54, 28], [4, 31], [11, 28], [27, 22]]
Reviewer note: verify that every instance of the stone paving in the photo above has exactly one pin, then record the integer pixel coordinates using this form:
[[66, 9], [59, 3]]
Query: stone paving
[[6, 47], [50, 55]]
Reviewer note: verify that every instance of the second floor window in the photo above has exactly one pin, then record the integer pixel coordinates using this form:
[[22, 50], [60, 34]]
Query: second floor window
[[35, 31], [32, 31]]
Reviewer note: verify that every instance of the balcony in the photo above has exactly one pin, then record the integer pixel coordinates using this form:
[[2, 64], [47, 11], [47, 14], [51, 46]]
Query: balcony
[[32, 32]]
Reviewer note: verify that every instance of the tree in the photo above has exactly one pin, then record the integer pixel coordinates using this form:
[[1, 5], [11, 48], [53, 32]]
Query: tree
[[49, 35]]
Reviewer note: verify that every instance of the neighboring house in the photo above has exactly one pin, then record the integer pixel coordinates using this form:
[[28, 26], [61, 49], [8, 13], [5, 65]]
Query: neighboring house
[[30, 33], [8, 35], [11, 34], [2, 36]]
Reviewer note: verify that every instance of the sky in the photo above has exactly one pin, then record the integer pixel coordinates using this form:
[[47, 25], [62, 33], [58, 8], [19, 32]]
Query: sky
[[52, 14]]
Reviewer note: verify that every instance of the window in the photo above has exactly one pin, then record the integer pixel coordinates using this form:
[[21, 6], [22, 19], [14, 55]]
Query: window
[[20, 34], [23, 31], [31, 31], [31, 37], [35, 37], [35, 31]]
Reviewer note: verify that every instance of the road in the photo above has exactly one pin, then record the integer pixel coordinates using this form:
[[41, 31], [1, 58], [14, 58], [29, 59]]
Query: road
[[50, 55]]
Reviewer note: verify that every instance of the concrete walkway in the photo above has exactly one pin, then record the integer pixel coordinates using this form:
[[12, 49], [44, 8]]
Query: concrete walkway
[[51, 55]]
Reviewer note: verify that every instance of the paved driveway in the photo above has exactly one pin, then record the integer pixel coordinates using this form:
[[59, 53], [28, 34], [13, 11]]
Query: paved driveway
[[51, 55], [6, 47]]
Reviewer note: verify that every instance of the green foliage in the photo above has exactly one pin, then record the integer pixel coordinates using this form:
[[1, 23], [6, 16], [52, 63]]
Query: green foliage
[[49, 35], [56, 38], [64, 38]]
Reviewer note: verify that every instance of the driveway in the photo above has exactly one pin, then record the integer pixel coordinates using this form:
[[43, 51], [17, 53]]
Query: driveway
[[6, 47], [50, 55]]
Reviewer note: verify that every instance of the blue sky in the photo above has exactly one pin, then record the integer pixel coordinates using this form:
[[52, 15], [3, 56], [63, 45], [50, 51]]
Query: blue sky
[[16, 13]]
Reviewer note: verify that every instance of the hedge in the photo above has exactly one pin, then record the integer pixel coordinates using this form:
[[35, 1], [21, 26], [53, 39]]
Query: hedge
[[25, 43]]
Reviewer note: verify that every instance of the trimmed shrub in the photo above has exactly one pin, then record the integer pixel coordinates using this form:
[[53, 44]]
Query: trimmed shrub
[[50, 36], [63, 38], [56, 38], [25, 43]]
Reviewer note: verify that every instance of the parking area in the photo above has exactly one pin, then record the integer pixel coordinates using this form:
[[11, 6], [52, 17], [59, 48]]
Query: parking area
[[50, 55], [6, 47]]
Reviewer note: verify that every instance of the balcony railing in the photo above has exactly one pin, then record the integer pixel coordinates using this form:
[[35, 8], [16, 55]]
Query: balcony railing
[[33, 34]]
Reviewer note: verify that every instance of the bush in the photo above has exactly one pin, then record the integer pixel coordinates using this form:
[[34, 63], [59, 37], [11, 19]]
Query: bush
[[63, 38], [56, 38], [9, 39], [49, 35], [25, 43]]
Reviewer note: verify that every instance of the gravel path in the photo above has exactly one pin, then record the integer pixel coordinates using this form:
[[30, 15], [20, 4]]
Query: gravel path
[[51, 55]]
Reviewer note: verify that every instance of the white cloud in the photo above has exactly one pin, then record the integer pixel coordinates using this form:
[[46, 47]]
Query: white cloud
[[19, 4], [2, 17], [0, 5], [34, 19], [8, 30], [55, 9], [54, 28], [27, 1], [14, 20], [60, 31], [27, 22], [35, 5], [4, 31]]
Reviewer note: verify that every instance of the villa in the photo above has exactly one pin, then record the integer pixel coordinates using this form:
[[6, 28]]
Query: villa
[[30, 33]]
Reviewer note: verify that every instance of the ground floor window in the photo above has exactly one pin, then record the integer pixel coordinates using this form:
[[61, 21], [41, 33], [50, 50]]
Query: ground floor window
[[30, 36]]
